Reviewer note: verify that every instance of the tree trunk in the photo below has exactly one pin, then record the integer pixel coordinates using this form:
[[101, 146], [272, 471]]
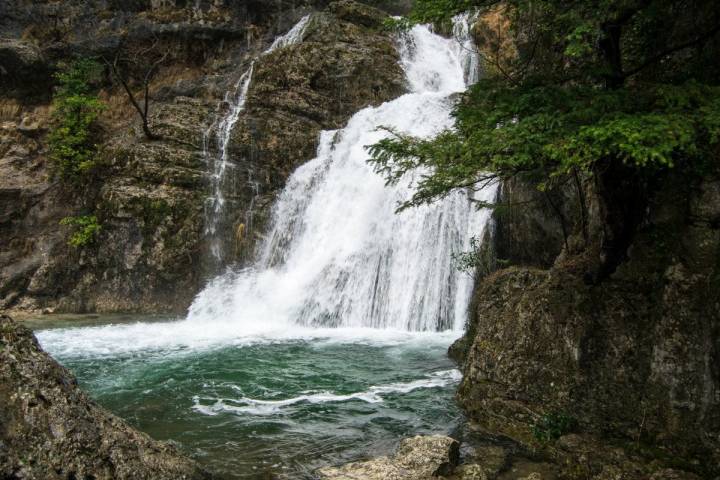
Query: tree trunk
[[622, 192], [611, 52]]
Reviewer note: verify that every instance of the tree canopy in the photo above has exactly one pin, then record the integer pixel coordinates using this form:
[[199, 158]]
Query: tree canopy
[[589, 83]]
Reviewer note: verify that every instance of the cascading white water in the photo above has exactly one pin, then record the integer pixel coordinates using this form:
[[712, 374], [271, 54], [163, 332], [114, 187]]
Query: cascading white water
[[338, 255], [467, 49], [216, 202], [220, 162]]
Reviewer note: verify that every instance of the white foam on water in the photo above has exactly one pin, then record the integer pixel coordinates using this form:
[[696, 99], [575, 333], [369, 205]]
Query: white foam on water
[[374, 394], [181, 337]]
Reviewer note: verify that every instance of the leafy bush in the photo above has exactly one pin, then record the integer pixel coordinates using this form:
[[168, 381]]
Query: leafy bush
[[553, 426], [85, 229], [469, 260], [75, 111]]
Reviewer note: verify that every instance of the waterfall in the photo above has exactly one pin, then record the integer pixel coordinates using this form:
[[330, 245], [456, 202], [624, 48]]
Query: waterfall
[[220, 161], [337, 254], [467, 50]]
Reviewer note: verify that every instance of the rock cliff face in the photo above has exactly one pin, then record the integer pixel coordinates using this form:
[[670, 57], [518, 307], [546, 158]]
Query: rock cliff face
[[594, 337], [343, 64], [49, 429], [149, 196], [632, 358]]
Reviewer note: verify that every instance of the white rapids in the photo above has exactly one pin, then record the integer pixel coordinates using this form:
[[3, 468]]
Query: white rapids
[[338, 262], [214, 406]]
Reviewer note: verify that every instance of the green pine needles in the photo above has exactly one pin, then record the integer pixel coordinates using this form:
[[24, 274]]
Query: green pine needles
[[75, 112]]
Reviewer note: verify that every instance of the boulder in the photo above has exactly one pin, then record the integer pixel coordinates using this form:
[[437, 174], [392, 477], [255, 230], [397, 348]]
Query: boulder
[[21, 63], [631, 357], [51, 430], [417, 458], [357, 13], [428, 456]]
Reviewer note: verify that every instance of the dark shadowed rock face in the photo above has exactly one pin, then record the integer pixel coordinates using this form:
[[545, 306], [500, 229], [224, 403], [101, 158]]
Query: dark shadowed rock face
[[634, 357], [594, 333], [49, 428]]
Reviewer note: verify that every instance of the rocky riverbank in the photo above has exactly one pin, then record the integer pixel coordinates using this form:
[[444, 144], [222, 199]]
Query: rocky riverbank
[[486, 455], [50, 429]]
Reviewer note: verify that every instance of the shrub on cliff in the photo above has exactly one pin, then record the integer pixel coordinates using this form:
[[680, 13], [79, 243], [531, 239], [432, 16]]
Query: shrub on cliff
[[84, 229], [75, 112]]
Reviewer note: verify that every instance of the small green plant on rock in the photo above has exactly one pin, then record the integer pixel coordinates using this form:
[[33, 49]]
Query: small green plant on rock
[[75, 112], [552, 426], [397, 24], [85, 229], [468, 261]]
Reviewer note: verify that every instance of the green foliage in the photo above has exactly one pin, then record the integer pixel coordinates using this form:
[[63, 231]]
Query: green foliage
[[552, 426], [619, 81], [438, 11], [550, 130], [75, 111], [397, 24], [468, 261], [85, 230]]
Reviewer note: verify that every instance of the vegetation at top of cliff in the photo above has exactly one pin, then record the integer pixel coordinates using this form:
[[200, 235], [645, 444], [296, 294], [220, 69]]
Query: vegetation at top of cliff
[[75, 111], [585, 85]]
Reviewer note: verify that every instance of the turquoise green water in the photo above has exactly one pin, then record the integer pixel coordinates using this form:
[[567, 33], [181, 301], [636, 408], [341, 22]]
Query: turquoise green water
[[290, 403]]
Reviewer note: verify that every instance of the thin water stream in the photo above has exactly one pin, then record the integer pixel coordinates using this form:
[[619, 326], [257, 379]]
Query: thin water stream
[[222, 177]]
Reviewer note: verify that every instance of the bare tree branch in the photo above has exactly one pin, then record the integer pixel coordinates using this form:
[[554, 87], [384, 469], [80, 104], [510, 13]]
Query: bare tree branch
[[144, 110]]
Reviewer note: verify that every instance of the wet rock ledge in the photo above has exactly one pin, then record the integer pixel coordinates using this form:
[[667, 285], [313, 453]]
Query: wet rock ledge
[[50, 429]]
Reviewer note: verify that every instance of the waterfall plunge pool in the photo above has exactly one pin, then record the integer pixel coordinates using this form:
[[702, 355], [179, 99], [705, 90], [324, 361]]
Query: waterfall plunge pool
[[253, 382], [249, 406]]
